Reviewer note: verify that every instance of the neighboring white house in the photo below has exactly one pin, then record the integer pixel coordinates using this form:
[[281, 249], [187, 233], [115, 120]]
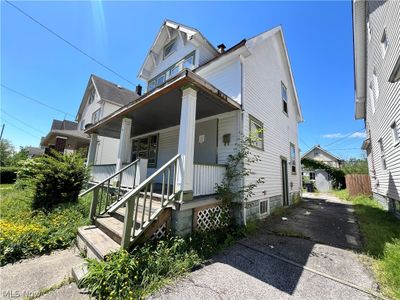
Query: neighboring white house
[[200, 100], [377, 49], [100, 99], [321, 178]]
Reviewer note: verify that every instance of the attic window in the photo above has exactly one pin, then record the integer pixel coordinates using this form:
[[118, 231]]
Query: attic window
[[91, 97], [169, 48], [284, 98], [384, 43]]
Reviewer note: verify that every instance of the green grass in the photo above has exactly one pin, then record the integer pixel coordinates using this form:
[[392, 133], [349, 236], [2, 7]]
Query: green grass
[[6, 186], [381, 241], [25, 232]]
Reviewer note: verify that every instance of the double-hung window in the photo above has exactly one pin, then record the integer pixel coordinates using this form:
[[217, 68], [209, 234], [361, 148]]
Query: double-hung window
[[256, 129], [284, 98], [146, 147], [395, 133], [383, 157], [293, 157], [170, 48], [96, 116]]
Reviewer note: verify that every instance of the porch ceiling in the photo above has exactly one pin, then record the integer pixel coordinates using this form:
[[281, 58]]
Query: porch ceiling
[[161, 107]]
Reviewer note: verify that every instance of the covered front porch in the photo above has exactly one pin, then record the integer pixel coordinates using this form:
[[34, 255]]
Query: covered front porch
[[186, 116]]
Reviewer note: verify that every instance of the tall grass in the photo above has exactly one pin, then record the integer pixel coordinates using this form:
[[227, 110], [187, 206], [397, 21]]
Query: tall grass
[[381, 241]]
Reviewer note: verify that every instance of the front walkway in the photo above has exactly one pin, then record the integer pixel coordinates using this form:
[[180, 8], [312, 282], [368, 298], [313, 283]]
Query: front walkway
[[31, 277], [304, 255]]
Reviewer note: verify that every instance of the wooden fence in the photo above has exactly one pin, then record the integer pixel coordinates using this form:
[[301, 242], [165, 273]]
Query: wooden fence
[[358, 184]]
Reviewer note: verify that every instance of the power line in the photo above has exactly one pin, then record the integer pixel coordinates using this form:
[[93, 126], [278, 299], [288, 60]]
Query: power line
[[35, 100], [68, 42], [19, 128], [304, 142], [22, 122], [343, 138]]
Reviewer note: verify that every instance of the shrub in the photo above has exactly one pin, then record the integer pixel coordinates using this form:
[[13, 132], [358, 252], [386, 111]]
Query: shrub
[[55, 178], [8, 174]]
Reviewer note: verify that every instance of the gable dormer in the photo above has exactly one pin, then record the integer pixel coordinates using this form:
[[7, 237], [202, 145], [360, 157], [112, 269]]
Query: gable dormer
[[175, 48]]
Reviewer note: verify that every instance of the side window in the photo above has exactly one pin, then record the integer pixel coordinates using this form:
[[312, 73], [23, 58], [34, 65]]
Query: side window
[[96, 116], [293, 157], [395, 133], [312, 176], [284, 98], [146, 147], [92, 96], [383, 157], [256, 133]]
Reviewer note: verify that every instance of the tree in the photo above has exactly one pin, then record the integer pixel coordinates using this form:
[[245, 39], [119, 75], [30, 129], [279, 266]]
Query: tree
[[355, 166], [19, 156], [6, 152]]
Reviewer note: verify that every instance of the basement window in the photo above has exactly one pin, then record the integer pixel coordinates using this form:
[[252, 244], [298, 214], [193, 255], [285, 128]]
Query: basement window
[[146, 147], [263, 207]]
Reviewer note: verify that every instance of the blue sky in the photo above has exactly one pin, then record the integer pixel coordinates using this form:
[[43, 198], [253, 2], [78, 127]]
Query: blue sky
[[119, 34]]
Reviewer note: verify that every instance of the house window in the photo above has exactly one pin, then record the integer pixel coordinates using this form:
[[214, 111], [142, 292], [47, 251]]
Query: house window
[[91, 96], [263, 207], [395, 133], [284, 98], [96, 116], [384, 43], [369, 31], [170, 48], [256, 131], [146, 147], [186, 62], [383, 157], [312, 175], [293, 158], [372, 97], [375, 85]]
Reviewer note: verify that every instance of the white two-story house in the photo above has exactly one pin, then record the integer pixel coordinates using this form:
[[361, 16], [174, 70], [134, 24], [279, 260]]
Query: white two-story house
[[376, 26], [199, 101]]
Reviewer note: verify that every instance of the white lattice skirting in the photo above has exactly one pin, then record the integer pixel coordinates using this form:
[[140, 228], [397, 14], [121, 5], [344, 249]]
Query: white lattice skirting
[[160, 232], [210, 218]]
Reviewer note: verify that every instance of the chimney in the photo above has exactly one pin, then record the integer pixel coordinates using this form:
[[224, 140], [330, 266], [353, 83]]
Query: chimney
[[221, 48], [139, 89]]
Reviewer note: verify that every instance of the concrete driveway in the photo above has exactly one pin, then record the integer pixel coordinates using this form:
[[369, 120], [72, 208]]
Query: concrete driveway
[[311, 255]]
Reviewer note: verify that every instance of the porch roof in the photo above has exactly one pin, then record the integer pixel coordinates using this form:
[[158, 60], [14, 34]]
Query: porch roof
[[161, 108], [75, 135]]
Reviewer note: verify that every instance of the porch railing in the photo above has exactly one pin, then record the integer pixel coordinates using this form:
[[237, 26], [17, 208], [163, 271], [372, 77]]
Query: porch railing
[[111, 189], [205, 177], [139, 202], [101, 172]]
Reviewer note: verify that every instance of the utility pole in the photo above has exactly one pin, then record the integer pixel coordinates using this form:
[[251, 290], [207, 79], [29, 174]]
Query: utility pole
[[2, 129]]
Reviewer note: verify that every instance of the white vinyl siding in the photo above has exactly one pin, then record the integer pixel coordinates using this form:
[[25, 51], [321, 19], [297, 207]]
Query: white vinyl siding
[[263, 72], [384, 16]]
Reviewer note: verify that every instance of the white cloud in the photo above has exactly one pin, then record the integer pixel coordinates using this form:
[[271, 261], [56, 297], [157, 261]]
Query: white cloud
[[355, 135], [358, 135], [332, 135]]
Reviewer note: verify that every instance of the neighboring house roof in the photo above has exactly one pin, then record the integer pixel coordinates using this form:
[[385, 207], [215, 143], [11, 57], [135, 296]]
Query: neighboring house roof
[[249, 43], [318, 147], [107, 91], [184, 32], [64, 128], [34, 151], [360, 56]]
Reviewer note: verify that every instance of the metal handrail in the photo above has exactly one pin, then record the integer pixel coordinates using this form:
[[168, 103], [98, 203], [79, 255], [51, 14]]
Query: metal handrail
[[108, 178]]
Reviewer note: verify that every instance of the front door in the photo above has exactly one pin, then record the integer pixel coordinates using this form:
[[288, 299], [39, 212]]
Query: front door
[[285, 187]]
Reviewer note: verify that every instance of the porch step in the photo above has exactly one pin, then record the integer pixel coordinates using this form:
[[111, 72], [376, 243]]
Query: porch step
[[120, 212], [95, 242], [111, 226]]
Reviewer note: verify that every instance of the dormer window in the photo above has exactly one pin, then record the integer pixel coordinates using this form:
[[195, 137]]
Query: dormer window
[[188, 62], [170, 48], [91, 96]]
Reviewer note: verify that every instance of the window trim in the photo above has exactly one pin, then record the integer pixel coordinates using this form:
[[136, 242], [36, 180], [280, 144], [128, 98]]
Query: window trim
[[167, 71], [285, 100], [260, 124], [295, 160], [173, 41], [92, 95], [395, 134], [266, 207], [149, 165], [382, 154], [93, 114]]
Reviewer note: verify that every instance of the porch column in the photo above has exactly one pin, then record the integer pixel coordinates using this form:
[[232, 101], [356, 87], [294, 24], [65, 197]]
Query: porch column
[[124, 143], [186, 142], [92, 150]]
